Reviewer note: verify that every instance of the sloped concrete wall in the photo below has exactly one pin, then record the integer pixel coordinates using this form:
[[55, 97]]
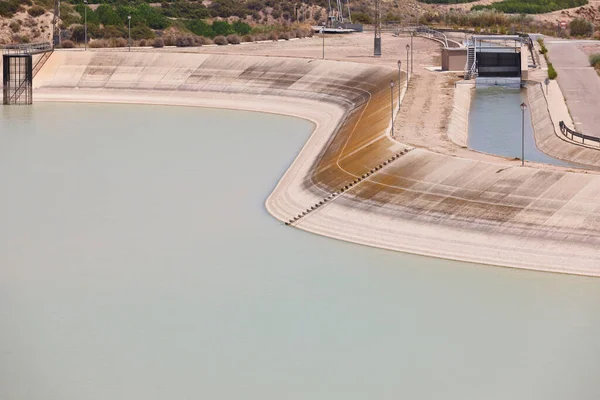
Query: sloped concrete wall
[[362, 90]]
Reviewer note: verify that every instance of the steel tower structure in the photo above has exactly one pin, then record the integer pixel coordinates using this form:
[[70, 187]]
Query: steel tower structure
[[377, 44]]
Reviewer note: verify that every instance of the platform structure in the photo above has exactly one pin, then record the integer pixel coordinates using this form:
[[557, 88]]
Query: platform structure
[[496, 60], [18, 70]]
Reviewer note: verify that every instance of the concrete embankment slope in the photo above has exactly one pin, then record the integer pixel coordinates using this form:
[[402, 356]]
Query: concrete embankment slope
[[342, 184]]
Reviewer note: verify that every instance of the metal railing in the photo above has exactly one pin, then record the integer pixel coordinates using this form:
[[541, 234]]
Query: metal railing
[[29, 48], [566, 132], [428, 32]]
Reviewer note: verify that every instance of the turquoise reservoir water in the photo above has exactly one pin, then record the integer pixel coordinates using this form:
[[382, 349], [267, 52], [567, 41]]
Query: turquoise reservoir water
[[137, 261], [495, 125]]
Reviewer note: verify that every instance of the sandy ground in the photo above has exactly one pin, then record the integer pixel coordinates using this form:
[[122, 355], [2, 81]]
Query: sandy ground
[[465, 6], [568, 14], [357, 47]]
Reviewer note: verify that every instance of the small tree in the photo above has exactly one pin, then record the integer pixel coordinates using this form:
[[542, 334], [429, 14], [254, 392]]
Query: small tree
[[581, 27]]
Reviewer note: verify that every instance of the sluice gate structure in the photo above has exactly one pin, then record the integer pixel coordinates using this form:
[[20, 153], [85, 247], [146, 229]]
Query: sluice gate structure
[[497, 60], [19, 68]]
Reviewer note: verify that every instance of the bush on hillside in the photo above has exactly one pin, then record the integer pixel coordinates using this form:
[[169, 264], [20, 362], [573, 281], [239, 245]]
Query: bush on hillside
[[530, 6], [67, 44], [233, 39], [158, 42], [36, 11], [185, 41], [15, 26], [220, 40], [206, 41], [119, 42], [581, 27], [99, 44], [248, 38]]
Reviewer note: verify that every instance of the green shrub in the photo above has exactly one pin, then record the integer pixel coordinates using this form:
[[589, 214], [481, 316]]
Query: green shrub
[[595, 60], [581, 27], [141, 32], [15, 26], [543, 49], [552, 74], [530, 6], [36, 11]]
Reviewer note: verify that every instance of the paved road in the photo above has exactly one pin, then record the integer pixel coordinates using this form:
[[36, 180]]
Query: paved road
[[579, 83]]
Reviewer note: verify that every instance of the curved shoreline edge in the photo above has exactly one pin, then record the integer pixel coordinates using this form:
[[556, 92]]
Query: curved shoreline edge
[[421, 202]]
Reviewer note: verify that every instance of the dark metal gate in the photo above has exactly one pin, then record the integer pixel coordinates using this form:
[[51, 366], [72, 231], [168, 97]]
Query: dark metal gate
[[18, 70], [17, 78]]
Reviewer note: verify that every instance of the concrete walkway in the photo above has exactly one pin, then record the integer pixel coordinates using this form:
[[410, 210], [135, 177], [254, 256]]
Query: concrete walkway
[[579, 83]]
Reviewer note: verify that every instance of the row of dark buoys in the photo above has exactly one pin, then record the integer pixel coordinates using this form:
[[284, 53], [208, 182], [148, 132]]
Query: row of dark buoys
[[346, 187]]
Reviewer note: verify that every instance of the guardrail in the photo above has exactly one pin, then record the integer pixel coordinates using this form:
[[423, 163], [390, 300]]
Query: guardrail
[[29, 48], [566, 132]]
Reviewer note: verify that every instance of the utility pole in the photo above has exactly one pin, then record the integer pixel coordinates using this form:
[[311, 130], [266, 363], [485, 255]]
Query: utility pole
[[55, 23], [377, 43], [85, 2]]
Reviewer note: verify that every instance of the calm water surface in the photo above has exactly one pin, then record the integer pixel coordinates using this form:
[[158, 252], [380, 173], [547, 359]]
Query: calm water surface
[[137, 261], [495, 125]]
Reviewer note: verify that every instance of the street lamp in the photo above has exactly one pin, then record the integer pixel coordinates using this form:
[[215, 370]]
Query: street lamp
[[399, 66], [323, 34], [407, 49], [523, 108], [412, 58], [392, 109], [85, 24], [129, 23]]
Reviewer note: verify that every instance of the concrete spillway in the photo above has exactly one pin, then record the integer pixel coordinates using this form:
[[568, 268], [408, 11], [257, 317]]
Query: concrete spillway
[[421, 202]]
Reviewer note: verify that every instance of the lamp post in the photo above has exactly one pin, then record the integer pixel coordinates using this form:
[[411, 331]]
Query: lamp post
[[523, 108], [411, 52], [407, 49], [399, 66], [323, 34], [392, 109], [85, 24], [129, 24]]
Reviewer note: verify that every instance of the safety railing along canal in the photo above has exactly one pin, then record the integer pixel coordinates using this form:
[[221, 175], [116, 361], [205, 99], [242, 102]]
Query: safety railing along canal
[[566, 131]]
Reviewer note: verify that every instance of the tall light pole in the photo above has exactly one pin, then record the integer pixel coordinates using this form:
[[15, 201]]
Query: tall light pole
[[323, 34], [407, 75], [392, 109], [399, 66], [85, 24], [411, 52], [129, 23], [523, 108]]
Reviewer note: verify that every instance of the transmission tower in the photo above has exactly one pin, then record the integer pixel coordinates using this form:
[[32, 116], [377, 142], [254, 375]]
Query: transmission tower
[[55, 23], [377, 45]]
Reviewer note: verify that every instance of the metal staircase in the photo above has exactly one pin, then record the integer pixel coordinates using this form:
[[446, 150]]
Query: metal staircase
[[471, 65], [19, 70]]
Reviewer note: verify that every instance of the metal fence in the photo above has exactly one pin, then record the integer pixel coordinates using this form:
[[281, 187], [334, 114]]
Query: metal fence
[[29, 48], [566, 132]]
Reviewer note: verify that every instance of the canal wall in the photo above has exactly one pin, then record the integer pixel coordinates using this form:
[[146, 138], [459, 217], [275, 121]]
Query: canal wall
[[351, 181], [548, 137], [458, 126]]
